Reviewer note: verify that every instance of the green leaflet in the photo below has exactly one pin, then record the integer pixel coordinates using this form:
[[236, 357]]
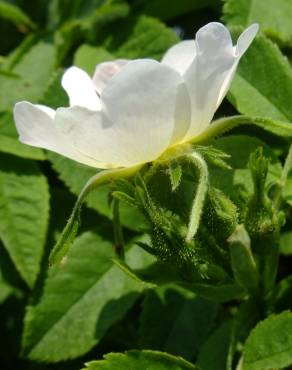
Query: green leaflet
[[63, 11], [274, 16], [81, 20], [262, 86], [87, 57], [24, 207], [141, 31], [269, 345], [15, 14], [146, 360], [187, 320], [31, 82], [81, 299]]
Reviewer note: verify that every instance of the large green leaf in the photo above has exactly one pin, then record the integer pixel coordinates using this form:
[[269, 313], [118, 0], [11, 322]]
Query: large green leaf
[[146, 360], [24, 207], [269, 345], [81, 299], [274, 16], [31, 76], [82, 20], [142, 37], [9, 142], [187, 321], [239, 178], [263, 83]]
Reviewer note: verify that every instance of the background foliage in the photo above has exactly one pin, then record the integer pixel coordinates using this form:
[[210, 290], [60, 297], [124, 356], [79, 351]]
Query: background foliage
[[214, 306]]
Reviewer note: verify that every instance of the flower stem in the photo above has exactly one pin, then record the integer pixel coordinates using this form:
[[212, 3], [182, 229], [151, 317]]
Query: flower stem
[[61, 248], [198, 202]]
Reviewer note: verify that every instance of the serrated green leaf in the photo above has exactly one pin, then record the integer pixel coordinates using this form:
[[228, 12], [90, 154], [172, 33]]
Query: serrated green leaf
[[87, 57], [274, 16], [81, 299], [214, 352], [31, 82], [24, 207], [239, 179], [146, 38], [13, 13], [82, 20], [146, 360], [269, 345], [187, 321], [262, 85]]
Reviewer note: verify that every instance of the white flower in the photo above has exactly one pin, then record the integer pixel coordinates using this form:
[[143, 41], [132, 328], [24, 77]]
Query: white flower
[[132, 111]]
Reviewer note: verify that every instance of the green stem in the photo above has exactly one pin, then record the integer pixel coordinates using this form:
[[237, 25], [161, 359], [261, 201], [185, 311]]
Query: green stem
[[198, 202], [223, 125], [287, 167], [61, 248], [118, 231]]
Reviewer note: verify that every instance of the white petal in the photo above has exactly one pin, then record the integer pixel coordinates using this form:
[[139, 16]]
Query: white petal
[[209, 76], [180, 56], [36, 127], [243, 43], [141, 105], [246, 38], [105, 71], [80, 89]]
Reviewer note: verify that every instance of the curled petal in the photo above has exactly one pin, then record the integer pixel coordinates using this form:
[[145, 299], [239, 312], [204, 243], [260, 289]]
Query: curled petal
[[245, 39], [243, 43], [105, 71], [209, 76], [80, 89]]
